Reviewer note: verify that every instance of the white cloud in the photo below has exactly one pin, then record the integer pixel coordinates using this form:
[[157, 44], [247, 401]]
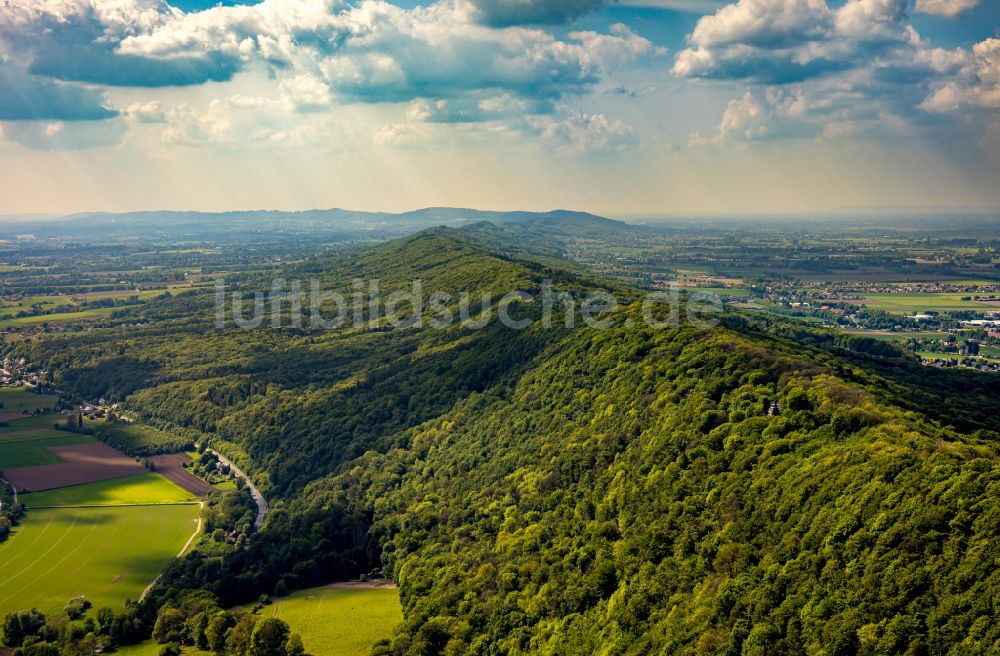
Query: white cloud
[[583, 133], [857, 69], [782, 41], [305, 93], [977, 86], [240, 121], [402, 134], [946, 8], [381, 52], [146, 112]]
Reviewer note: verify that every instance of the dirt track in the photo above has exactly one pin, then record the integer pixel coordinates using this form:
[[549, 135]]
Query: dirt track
[[83, 463], [171, 467]]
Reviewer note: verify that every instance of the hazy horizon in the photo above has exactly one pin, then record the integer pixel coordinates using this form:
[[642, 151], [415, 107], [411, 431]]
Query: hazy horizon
[[893, 214], [638, 107]]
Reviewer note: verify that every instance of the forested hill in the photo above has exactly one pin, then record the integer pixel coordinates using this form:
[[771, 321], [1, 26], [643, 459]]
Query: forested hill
[[577, 491]]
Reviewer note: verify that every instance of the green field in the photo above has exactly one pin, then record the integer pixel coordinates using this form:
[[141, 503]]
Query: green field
[[27, 422], [896, 337], [913, 303], [740, 292], [20, 398], [138, 488], [931, 355], [106, 554], [59, 317], [152, 648], [32, 449], [332, 621], [339, 621]]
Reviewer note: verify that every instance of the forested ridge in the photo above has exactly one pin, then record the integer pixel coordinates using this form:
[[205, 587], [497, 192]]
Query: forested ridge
[[574, 491]]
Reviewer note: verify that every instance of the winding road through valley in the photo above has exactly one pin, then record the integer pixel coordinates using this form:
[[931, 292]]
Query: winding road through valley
[[254, 492]]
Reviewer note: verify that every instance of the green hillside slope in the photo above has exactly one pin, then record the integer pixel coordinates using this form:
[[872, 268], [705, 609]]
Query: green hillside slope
[[574, 491]]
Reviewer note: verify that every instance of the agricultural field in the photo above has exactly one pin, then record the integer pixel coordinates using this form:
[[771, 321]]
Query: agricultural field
[[913, 303], [171, 467], [152, 648], [31, 448], [341, 619], [146, 488], [896, 337], [106, 554], [19, 399], [46, 301], [45, 421], [58, 317], [739, 292]]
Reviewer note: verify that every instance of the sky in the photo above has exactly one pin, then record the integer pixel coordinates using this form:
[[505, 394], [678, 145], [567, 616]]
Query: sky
[[627, 108]]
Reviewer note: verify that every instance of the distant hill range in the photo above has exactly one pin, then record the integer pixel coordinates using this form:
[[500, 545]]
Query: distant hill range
[[312, 224]]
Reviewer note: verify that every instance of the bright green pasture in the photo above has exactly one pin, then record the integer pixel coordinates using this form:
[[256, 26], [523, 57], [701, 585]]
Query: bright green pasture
[[896, 337], [336, 621], [152, 648], [137, 488], [740, 292], [59, 317], [107, 555], [913, 303], [331, 621], [33, 449]]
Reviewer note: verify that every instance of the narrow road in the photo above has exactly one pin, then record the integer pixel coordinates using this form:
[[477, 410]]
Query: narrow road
[[254, 492]]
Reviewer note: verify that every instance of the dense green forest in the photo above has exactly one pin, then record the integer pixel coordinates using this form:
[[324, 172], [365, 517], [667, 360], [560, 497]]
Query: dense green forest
[[568, 490]]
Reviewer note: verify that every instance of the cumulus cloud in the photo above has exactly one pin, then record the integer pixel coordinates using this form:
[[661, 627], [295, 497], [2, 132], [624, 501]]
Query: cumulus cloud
[[77, 40], [146, 112], [402, 134], [25, 97], [455, 61], [584, 133], [528, 12], [372, 51], [305, 93], [946, 8], [976, 86], [379, 52], [783, 41], [856, 68], [476, 110]]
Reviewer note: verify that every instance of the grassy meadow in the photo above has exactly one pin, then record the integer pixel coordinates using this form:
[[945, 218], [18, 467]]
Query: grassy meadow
[[58, 317], [152, 648], [105, 554], [339, 621], [914, 303], [148, 488]]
